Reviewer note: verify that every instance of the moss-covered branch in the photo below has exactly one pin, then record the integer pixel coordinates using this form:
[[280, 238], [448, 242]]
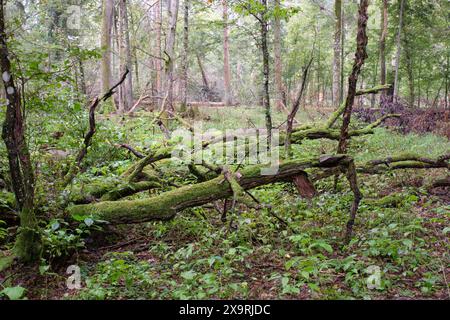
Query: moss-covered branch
[[336, 114], [403, 161], [334, 134], [166, 205]]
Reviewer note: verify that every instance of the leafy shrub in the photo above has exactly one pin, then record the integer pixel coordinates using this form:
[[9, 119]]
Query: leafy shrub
[[60, 240]]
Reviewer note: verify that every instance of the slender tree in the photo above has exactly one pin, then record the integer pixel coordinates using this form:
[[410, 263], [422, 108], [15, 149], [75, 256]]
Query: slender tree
[[173, 6], [185, 57], [226, 55], [157, 48], [278, 70], [398, 44], [126, 89], [360, 57], [409, 70], [266, 68], [28, 242], [337, 52], [383, 34], [107, 23]]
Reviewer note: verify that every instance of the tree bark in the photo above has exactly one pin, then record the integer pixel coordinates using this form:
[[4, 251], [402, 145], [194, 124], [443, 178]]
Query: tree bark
[[337, 53], [107, 21], [398, 44], [28, 242], [185, 57], [410, 72], [447, 75], [227, 99], [173, 6], [126, 89], [384, 30], [295, 107], [360, 57], [266, 68], [280, 91], [158, 53], [204, 75]]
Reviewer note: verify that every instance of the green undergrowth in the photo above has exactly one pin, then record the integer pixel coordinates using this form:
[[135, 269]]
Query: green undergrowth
[[293, 248], [196, 256]]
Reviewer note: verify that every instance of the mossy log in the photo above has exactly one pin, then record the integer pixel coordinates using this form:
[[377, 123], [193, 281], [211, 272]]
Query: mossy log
[[403, 161], [166, 205], [127, 186], [334, 134], [397, 162], [390, 201], [114, 189]]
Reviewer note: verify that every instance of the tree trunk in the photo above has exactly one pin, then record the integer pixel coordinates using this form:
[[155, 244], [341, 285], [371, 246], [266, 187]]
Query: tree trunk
[[360, 57], [185, 57], [337, 53], [28, 243], [398, 44], [170, 52], [204, 75], [158, 53], [126, 89], [419, 87], [341, 93], [107, 21], [410, 72], [374, 83], [54, 24], [295, 107], [134, 57], [280, 91], [227, 99], [266, 68], [166, 205], [447, 75], [384, 30]]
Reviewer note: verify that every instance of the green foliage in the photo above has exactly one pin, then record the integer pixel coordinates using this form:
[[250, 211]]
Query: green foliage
[[197, 256], [3, 231], [13, 293], [60, 240]]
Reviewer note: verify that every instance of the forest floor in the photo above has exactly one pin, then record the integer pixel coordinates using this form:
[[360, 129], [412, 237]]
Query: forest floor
[[400, 248]]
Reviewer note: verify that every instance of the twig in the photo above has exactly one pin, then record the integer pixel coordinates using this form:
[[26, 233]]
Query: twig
[[132, 150]]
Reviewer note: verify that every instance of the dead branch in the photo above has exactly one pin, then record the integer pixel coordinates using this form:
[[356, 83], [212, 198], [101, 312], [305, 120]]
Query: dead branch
[[90, 134], [295, 107], [132, 150], [360, 57]]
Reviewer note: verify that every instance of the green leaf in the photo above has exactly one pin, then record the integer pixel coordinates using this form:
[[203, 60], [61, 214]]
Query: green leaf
[[323, 245], [89, 222], [284, 281], [55, 225], [188, 275], [43, 269], [14, 293], [290, 263], [78, 217]]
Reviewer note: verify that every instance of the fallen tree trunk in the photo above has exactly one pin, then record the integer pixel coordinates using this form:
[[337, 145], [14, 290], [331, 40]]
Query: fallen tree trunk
[[398, 162], [168, 204], [125, 186], [134, 174], [405, 161]]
